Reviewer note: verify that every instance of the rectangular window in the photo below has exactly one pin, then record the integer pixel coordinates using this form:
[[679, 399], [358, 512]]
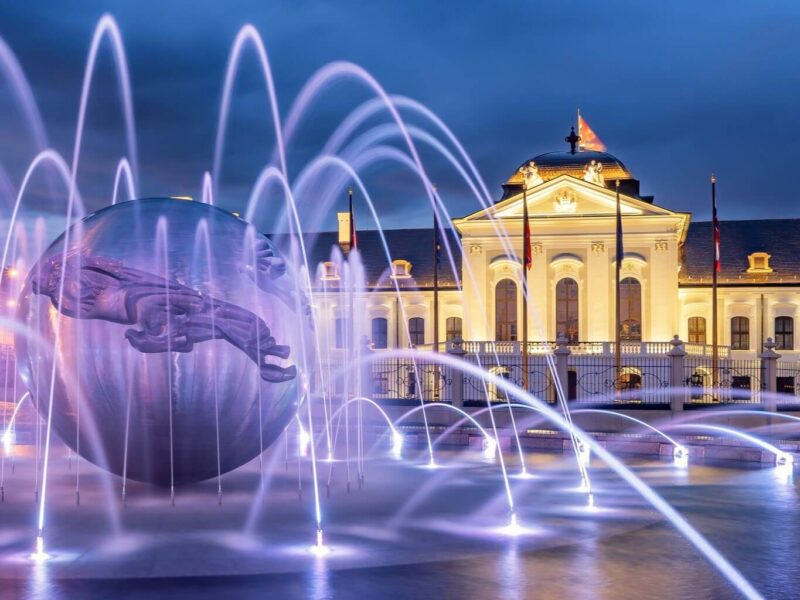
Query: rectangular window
[[379, 335], [340, 332], [740, 382], [697, 330], [453, 328], [416, 331], [740, 333], [784, 333], [785, 385]]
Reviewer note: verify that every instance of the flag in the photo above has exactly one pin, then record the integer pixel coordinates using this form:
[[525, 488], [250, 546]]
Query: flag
[[353, 235], [526, 230], [528, 260], [715, 221], [620, 249], [437, 243], [588, 138]]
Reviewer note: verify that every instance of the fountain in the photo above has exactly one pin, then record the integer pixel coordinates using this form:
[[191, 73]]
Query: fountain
[[169, 350]]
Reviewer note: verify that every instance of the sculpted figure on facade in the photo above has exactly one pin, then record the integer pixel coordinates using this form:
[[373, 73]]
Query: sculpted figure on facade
[[531, 174], [593, 173]]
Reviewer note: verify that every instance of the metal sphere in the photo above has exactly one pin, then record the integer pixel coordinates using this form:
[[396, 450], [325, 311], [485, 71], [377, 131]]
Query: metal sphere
[[180, 341]]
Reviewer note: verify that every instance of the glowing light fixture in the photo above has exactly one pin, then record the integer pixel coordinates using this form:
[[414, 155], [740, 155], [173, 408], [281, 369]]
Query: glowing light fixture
[[681, 456]]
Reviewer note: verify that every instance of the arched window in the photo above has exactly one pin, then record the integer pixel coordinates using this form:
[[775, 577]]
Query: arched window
[[567, 309], [379, 329], [697, 330], [505, 311], [452, 328], [784, 333], [630, 304], [416, 331], [740, 333]]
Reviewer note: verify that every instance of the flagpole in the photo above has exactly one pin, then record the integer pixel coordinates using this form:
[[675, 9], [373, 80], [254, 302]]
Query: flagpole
[[618, 313], [352, 222], [435, 273], [578, 126], [714, 266], [525, 261]]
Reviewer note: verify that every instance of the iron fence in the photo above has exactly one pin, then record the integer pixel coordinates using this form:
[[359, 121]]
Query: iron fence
[[476, 390], [730, 381], [788, 382], [597, 379]]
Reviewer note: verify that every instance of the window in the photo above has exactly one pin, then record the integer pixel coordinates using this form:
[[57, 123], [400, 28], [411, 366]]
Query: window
[[505, 311], [340, 332], [759, 263], [630, 315], [452, 328], [567, 309], [785, 385], [697, 330], [784, 333], [379, 337], [416, 331], [401, 269], [330, 271], [740, 333]]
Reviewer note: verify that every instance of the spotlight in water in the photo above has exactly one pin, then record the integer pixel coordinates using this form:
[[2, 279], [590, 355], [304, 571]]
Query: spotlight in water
[[784, 459], [39, 555], [523, 474], [320, 549], [489, 448], [12, 273], [397, 444], [681, 456], [8, 443]]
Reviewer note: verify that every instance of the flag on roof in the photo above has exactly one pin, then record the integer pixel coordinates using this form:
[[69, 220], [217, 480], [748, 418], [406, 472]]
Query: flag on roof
[[588, 138]]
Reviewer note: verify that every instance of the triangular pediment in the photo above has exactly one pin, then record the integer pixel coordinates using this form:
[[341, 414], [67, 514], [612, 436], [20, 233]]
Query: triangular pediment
[[565, 196]]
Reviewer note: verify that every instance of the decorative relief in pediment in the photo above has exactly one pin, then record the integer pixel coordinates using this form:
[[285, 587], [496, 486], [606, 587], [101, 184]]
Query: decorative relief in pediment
[[661, 245], [564, 201], [598, 247]]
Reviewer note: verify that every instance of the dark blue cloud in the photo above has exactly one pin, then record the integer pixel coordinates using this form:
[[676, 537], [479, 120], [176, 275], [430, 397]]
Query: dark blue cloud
[[676, 90]]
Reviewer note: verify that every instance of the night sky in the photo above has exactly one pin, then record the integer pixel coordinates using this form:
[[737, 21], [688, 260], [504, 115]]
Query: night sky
[[675, 90]]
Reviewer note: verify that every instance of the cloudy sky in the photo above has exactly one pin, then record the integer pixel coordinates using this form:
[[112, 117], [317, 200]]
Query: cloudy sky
[[675, 89]]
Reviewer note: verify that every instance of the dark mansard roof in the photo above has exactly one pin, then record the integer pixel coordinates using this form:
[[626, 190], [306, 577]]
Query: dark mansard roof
[[780, 238], [413, 245]]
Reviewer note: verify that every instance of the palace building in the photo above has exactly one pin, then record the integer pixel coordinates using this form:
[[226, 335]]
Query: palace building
[[666, 270]]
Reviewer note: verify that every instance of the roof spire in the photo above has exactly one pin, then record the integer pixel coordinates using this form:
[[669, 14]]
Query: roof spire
[[572, 139]]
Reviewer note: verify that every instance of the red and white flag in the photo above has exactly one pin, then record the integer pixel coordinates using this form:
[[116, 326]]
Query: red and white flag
[[715, 221], [528, 258], [589, 139]]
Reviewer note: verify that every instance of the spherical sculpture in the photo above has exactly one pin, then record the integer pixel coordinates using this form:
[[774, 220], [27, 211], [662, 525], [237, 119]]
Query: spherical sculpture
[[170, 336]]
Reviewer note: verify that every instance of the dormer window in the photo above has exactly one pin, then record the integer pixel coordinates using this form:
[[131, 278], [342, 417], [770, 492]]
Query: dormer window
[[401, 269], [759, 263], [330, 271]]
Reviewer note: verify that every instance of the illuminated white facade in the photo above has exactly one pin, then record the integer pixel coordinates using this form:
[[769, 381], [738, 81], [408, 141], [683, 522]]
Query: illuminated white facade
[[572, 209]]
